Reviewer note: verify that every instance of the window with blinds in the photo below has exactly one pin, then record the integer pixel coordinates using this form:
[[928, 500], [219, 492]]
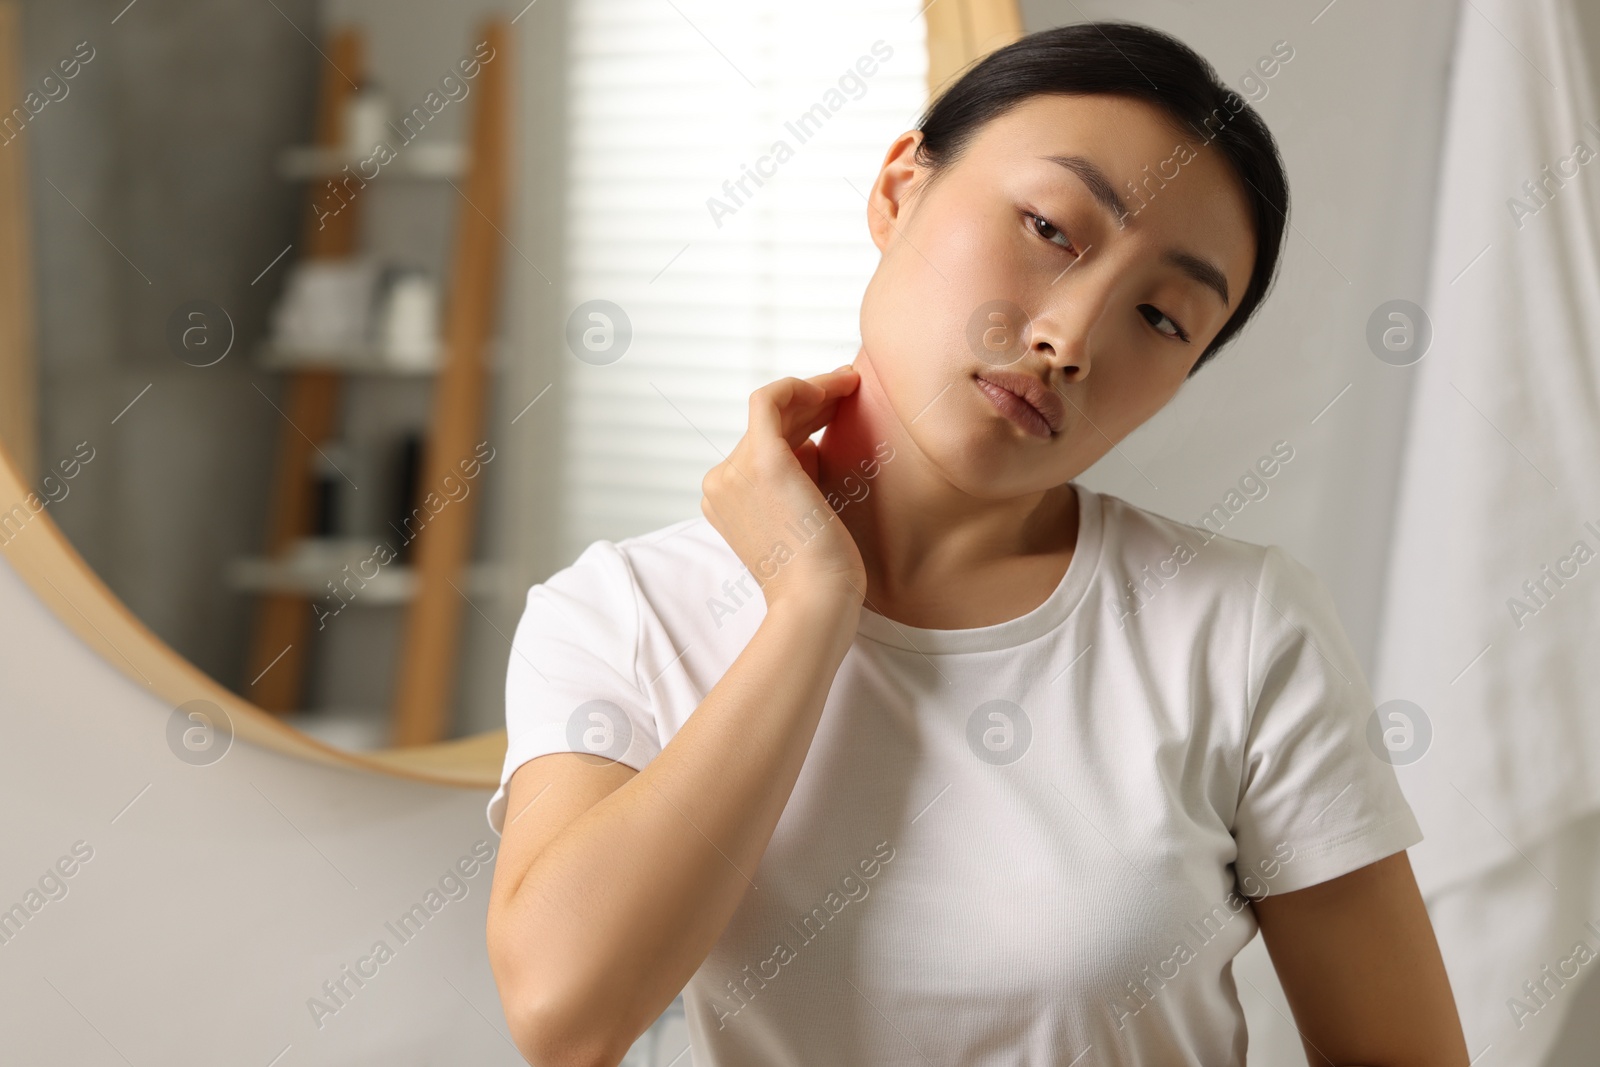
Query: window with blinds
[[720, 157]]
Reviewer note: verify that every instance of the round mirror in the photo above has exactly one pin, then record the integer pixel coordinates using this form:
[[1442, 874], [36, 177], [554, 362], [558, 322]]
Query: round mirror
[[264, 305], [320, 355]]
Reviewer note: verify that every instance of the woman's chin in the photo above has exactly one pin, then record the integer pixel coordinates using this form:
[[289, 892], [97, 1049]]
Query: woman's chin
[[978, 464]]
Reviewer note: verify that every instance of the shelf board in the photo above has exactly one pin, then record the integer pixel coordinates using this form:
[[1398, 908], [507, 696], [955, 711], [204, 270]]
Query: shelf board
[[418, 162], [307, 573], [363, 360]]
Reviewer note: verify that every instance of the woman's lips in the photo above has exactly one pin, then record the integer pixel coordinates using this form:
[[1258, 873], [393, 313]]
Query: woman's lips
[[1015, 408]]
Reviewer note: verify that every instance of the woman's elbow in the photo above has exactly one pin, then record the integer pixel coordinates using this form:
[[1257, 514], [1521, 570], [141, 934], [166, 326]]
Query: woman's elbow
[[555, 1016], [551, 1035]]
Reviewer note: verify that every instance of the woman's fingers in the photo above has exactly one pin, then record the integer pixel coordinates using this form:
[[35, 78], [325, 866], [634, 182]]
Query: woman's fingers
[[806, 453], [781, 407], [754, 505], [801, 433]]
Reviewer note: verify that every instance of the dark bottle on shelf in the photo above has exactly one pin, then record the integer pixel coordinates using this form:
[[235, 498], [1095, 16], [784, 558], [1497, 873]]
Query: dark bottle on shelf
[[327, 491], [408, 472]]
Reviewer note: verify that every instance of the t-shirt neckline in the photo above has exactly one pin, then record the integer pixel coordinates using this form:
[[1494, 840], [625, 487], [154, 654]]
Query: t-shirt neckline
[[1012, 632]]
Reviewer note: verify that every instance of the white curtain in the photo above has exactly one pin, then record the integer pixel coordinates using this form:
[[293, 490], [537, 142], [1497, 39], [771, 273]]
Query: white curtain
[[1492, 605]]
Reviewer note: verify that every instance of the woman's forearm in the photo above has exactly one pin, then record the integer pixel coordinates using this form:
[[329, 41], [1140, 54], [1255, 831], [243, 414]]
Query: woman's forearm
[[621, 907]]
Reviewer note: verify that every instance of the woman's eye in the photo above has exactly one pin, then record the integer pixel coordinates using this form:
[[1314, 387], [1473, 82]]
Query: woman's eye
[[1043, 227], [1154, 315], [1177, 331]]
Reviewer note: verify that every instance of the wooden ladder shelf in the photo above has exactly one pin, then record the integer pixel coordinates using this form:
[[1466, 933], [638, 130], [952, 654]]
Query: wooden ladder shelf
[[425, 672]]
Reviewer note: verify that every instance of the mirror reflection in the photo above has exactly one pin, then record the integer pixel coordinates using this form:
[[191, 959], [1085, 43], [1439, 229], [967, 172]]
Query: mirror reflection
[[271, 319], [354, 322]]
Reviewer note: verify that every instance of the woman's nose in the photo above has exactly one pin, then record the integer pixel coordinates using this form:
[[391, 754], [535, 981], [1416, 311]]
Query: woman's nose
[[1064, 340]]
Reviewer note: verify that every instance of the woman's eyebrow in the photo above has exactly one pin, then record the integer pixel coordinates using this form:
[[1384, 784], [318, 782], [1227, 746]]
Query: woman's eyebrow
[[1099, 185], [1104, 193]]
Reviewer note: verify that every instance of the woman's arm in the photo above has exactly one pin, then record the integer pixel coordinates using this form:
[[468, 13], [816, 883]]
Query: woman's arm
[[1358, 960], [612, 886]]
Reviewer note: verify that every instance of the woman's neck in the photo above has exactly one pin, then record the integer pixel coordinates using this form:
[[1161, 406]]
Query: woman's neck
[[916, 530]]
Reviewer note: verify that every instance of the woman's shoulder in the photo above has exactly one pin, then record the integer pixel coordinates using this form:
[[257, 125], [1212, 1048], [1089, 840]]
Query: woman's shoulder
[[680, 548], [615, 586], [1147, 553], [682, 555], [1137, 538]]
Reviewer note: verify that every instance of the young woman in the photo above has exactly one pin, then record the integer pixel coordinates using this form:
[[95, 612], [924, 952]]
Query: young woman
[[911, 749]]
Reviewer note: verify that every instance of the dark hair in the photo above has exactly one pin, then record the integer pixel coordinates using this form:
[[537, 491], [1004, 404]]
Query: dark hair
[[1125, 59]]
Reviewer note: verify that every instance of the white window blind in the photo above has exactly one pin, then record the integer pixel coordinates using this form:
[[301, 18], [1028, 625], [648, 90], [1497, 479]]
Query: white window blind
[[669, 101]]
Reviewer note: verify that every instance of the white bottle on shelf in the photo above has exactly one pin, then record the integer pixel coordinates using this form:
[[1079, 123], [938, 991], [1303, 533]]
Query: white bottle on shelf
[[366, 121], [409, 323]]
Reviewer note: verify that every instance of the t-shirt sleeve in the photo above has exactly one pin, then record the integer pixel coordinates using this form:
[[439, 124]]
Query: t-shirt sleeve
[[572, 683], [1316, 800]]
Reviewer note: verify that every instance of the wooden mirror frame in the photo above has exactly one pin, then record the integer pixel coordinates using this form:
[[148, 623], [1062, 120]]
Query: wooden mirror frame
[[958, 33]]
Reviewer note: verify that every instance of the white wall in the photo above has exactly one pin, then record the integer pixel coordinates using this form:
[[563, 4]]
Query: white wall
[[219, 898]]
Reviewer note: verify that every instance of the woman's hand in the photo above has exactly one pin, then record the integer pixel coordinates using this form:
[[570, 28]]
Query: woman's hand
[[764, 500]]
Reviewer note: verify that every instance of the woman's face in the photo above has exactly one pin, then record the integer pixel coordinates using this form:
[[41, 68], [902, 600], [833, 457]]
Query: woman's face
[[1009, 264]]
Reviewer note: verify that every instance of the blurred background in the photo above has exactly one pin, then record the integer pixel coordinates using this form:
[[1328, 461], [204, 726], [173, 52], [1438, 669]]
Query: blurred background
[[333, 325]]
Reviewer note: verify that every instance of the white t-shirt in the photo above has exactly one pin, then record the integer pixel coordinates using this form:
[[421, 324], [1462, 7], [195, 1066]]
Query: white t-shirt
[[1023, 843]]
